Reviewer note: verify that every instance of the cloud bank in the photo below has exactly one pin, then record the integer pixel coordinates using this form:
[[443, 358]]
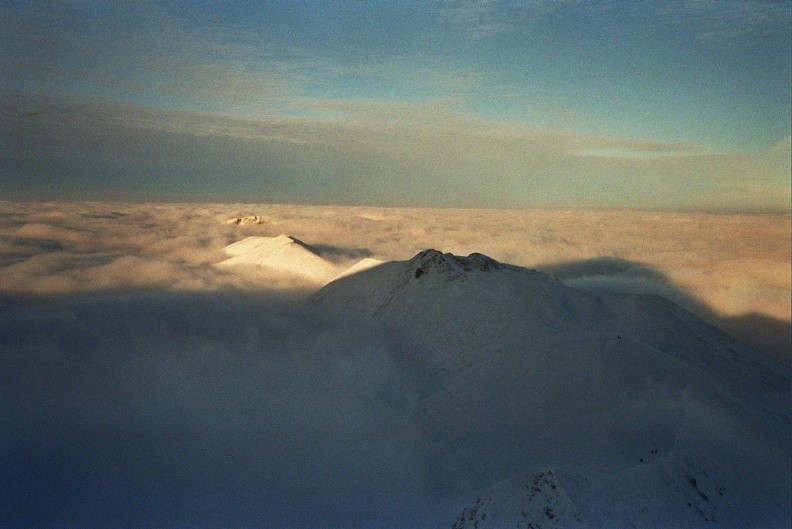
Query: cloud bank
[[720, 266]]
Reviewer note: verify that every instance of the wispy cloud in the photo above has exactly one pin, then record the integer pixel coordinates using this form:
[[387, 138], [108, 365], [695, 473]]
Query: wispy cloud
[[647, 150], [138, 52], [709, 20], [443, 132], [779, 156], [393, 151], [726, 20], [485, 18]]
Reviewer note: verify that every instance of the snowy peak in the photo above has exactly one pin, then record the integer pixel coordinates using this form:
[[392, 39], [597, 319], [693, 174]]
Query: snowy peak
[[262, 244], [259, 246], [432, 261], [626, 396], [440, 290], [282, 254], [289, 240], [446, 289], [291, 256]]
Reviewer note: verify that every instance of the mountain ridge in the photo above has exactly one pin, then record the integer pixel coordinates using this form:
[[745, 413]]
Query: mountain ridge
[[557, 378], [284, 254]]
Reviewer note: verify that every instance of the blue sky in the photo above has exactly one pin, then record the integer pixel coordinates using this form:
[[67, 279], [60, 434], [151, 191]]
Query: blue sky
[[659, 105]]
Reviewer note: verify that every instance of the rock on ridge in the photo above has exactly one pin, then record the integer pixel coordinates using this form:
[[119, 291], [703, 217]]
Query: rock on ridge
[[429, 261], [535, 501], [671, 491]]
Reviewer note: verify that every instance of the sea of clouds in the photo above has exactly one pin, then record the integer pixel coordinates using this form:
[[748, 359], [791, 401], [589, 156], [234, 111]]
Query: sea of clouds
[[142, 385], [732, 269]]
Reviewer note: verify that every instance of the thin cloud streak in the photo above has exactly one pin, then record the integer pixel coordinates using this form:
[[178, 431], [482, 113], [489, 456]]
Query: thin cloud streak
[[714, 21], [719, 21], [486, 18], [141, 53]]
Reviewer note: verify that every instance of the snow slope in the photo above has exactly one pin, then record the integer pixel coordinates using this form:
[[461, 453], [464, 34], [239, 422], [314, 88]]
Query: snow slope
[[282, 254], [363, 264], [640, 404], [287, 255]]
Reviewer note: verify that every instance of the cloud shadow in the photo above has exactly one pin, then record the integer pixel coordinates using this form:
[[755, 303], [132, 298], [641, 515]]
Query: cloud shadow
[[340, 253], [605, 275]]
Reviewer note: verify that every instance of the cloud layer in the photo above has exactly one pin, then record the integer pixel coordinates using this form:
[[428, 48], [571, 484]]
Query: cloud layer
[[717, 265]]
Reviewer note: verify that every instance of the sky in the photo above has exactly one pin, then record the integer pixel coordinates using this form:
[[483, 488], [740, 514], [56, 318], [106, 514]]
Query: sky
[[660, 105]]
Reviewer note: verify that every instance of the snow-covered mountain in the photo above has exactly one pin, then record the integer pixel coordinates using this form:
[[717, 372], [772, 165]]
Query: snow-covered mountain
[[290, 256], [649, 416], [283, 254], [363, 264]]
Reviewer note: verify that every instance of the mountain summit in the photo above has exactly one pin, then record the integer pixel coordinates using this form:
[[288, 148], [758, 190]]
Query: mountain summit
[[290, 256], [652, 417], [281, 254], [446, 263]]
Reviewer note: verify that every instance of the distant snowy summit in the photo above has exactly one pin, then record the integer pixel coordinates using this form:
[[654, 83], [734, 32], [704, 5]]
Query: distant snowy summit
[[250, 219], [288, 255], [281, 254]]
